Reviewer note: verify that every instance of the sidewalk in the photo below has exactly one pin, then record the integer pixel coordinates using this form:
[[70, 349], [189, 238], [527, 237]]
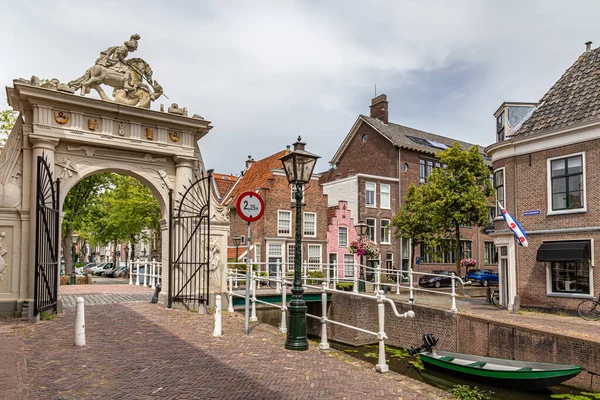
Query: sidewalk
[[143, 351]]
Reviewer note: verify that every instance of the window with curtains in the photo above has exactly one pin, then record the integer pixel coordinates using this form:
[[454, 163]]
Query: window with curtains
[[310, 224], [370, 194], [284, 223], [314, 256]]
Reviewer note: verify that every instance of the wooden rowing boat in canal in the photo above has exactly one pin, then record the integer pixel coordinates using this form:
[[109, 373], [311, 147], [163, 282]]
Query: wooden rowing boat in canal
[[517, 375]]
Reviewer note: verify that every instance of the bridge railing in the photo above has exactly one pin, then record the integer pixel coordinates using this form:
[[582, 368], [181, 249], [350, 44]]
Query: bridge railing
[[283, 281], [329, 274], [146, 273]]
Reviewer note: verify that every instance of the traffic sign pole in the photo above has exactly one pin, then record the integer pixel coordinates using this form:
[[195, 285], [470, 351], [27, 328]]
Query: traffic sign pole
[[248, 268]]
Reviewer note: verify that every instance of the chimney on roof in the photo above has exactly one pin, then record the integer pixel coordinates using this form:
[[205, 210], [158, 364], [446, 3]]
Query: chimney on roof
[[249, 162], [288, 147], [588, 46], [379, 108]]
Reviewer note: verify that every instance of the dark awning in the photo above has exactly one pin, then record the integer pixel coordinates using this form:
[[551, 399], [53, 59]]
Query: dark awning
[[564, 251]]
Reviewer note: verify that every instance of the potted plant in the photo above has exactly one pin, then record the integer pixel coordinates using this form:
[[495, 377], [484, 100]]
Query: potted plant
[[364, 247], [467, 263]]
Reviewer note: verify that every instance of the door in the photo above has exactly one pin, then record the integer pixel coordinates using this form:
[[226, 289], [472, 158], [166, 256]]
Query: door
[[503, 278], [273, 261], [333, 265]]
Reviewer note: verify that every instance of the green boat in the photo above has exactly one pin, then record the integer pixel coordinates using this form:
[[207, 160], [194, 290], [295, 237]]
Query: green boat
[[512, 374], [517, 375]]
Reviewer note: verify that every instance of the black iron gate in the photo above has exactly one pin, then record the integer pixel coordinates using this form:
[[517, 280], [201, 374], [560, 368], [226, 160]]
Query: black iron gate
[[189, 244], [46, 245]]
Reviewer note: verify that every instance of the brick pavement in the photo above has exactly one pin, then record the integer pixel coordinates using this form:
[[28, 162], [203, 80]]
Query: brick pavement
[[142, 351], [13, 372], [97, 299], [102, 289]]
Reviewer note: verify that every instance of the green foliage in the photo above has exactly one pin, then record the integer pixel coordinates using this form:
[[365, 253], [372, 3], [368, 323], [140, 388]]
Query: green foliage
[[316, 276], [582, 396], [397, 353], [46, 315], [351, 351], [345, 286], [466, 392], [8, 118], [371, 355], [417, 364]]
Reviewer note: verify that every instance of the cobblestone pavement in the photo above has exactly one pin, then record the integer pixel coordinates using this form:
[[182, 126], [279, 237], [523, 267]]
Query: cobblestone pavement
[[143, 351], [102, 289], [13, 372], [97, 299]]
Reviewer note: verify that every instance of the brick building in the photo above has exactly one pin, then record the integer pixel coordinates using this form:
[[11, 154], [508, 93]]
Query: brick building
[[546, 160], [222, 184], [272, 237], [372, 171]]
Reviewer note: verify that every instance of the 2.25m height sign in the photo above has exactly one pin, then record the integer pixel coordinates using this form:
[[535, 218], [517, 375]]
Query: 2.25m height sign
[[250, 206]]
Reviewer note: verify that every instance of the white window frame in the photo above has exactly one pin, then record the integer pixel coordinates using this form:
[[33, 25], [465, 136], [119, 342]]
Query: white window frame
[[498, 213], [389, 200], [304, 225], [278, 220], [389, 240], [288, 259], [549, 185], [345, 264], [374, 205], [374, 229], [242, 239], [320, 263], [591, 295], [339, 241], [257, 253]]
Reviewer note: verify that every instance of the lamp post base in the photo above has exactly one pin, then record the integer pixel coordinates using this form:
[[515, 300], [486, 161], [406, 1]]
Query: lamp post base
[[296, 334]]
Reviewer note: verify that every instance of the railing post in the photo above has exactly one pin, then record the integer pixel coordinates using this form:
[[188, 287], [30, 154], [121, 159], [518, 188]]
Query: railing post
[[398, 275], [336, 275], [328, 274], [217, 329], [130, 271], [253, 317], [230, 306], [377, 278], [236, 275], [411, 298], [324, 345], [137, 273], [453, 277], [381, 364], [146, 274], [283, 327], [277, 275], [355, 286], [153, 275]]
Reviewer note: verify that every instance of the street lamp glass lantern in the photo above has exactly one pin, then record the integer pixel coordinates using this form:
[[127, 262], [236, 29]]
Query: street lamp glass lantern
[[299, 164], [237, 240], [361, 228]]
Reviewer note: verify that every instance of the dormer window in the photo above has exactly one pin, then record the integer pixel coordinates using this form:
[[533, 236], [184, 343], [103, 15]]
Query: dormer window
[[500, 127]]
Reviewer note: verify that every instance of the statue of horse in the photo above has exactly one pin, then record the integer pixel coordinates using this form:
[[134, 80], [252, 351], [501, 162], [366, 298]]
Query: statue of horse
[[128, 88]]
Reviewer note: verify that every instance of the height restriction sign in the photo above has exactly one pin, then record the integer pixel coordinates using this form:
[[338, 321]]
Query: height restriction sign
[[250, 206]]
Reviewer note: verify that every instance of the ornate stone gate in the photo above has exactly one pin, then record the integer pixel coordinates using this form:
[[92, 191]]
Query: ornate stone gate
[[80, 136]]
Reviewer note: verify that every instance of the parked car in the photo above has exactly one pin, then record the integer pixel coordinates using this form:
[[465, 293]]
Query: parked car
[[483, 277], [113, 273], [103, 268], [437, 281]]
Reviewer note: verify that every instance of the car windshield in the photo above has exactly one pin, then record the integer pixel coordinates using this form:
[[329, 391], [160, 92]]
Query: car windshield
[[440, 272]]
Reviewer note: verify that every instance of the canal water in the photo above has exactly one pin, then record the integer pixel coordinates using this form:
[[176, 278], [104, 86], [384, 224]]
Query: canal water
[[399, 361]]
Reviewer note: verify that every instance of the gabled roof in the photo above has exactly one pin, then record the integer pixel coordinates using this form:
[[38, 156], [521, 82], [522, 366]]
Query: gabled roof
[[574, 98], [223, 184], [405, 137], [255, 177]]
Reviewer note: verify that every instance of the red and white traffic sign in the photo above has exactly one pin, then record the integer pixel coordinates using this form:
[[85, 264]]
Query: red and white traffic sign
[[250, 206]]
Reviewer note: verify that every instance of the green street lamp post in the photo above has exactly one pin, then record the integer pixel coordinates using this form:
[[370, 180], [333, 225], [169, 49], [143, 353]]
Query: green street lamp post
[[74, 238], [126, 260], [361, 229], [298, 165]]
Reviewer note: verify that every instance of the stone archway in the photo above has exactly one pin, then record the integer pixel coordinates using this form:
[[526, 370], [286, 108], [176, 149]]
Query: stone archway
[[79, 137]]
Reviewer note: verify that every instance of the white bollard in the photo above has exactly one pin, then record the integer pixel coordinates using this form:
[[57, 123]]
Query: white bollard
[[253, 317], [398, 281], [324, 345], [130, 271], [217, 329], [137, 273], [152, 278], [453, 309], [146, 274], [80, 323], [411, 298], [277, 275], [236, 276], [230, 306], [355, 286], [381, 364], [283, 327]]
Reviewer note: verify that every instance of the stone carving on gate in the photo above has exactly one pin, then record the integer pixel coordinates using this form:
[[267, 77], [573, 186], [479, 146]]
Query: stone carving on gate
[[130, 78], [11, 167], [69, 168], [3, 252], [215, 264]]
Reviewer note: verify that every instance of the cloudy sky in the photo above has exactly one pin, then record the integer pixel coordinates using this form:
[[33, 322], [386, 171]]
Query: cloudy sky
[[265, 72]]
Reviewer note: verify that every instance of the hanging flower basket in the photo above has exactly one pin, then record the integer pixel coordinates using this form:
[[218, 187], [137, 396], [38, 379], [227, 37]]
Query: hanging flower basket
[[468, 263], [364, 247]]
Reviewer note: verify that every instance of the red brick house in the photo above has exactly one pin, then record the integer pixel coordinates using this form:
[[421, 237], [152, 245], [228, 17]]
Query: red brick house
[[372, 170], [272, 237], [222, 184], [546, 163]]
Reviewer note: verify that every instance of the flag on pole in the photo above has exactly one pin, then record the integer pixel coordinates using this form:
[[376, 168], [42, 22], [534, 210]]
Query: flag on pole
[[514, 226]]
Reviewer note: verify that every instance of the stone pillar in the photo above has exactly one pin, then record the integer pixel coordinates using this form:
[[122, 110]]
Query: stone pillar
[[184, 174], [40, 147], [163, 296]]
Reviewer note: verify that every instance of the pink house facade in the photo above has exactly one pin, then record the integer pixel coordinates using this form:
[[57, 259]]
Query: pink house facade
[[340, 233]]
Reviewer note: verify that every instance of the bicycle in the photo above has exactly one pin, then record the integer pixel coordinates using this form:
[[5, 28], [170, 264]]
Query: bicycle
[[495, 297], [589, 309]]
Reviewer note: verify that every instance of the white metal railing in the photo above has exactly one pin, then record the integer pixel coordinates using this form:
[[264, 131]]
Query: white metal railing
[[150, 276], [283, 283], [329, 274]]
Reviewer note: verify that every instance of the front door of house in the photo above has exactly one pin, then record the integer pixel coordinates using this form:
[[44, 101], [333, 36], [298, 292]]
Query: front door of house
[[504, 278]]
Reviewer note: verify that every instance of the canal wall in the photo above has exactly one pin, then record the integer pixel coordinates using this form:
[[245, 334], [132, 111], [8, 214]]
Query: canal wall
[[461, 333]]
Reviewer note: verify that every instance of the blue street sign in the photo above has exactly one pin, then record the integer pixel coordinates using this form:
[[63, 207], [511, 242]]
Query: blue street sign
[[528, 213]]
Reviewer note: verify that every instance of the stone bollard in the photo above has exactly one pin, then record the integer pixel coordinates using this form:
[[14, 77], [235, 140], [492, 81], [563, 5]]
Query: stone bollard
[[157, 289], [217, 329], [80, 324]]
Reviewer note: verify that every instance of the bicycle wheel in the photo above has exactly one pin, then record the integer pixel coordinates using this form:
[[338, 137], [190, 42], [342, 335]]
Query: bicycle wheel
[[589, 310], [496, 299]]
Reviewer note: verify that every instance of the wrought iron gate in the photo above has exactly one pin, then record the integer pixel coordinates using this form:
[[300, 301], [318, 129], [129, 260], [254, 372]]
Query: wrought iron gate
[[46, 245], [189, 244]]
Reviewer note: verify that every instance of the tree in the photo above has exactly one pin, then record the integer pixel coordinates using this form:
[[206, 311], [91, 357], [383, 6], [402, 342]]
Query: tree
[[7, 120], [458, 194], [414, 220]]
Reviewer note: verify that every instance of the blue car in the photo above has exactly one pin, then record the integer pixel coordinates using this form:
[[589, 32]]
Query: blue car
[[484, 277]]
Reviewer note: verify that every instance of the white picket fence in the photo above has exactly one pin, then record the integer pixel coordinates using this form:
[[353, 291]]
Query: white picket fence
[[151, 273]]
